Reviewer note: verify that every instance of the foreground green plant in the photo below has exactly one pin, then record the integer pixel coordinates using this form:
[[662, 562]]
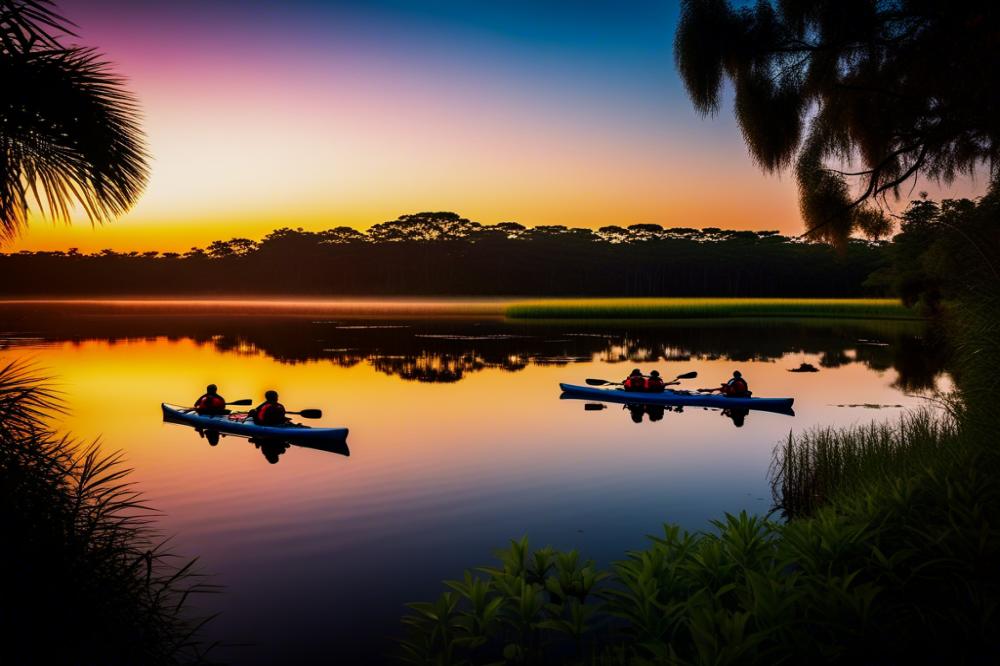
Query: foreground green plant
[[899, 569], [86, 580]]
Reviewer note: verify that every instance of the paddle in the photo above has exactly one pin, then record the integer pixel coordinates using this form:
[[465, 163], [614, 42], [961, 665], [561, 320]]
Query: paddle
[[605, 382], [309, 413], [244, 401]]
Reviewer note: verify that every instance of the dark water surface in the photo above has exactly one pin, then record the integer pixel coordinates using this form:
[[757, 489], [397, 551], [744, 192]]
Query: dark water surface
[[458, 442]]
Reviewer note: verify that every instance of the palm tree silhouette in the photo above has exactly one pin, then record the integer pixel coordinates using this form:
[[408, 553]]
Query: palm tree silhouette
[[69, 129]]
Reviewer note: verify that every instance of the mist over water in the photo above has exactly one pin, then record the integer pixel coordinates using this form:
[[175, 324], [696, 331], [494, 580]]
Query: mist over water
[[458, 442]]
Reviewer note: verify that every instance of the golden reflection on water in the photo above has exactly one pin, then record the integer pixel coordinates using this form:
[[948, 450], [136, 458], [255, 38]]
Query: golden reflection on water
[[439, 473], [407, 433]]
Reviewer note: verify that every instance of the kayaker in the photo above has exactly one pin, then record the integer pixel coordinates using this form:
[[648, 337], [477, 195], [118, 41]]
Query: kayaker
[[269, 412], [211, 402], [736, 387], [654, 384], [635, 381]]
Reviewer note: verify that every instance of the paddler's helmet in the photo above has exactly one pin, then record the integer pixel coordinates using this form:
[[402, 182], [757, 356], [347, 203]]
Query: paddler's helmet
[[637, 371], [211, 389], [737, 374], [271, 395], [654, 373]]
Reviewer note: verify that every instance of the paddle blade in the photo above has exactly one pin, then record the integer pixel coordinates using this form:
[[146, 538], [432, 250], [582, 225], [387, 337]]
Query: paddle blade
[[310, 413], [688, 375], [244, 401], [594, 406], [598, 382]]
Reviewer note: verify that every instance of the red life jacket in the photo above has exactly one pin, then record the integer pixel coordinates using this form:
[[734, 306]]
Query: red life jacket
[[210, 404], [270, 413], [654, 385], [635, 383], [736, 387]]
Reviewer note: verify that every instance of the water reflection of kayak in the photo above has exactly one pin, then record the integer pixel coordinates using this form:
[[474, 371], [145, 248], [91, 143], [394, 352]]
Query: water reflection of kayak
[[679, 398], [238, 424]]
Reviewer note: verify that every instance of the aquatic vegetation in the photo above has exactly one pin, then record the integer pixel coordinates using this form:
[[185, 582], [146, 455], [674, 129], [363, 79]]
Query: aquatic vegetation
[[812, 468], [83, 564], [696, 308]]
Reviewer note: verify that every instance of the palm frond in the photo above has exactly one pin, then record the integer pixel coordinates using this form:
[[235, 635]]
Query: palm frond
[[25, 23], [71, 130]]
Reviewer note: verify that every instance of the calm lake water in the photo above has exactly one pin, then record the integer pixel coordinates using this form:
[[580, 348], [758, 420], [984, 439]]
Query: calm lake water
[[459, 441]]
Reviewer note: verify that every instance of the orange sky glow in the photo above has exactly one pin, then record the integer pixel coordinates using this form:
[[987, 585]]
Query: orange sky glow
[[313, 118]]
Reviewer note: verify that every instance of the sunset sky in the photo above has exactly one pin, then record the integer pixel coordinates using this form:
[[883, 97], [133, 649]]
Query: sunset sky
[[319, 114]]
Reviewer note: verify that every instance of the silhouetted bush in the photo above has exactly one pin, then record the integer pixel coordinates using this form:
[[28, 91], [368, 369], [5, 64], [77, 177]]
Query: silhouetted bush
[[85, 578]]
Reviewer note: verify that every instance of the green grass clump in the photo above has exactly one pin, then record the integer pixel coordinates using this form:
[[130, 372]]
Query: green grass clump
[[809, 470], [706, 308], [85, 579]]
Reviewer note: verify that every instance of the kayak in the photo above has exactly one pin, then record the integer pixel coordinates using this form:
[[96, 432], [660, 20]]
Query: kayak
[[239, 424], [677, 398]]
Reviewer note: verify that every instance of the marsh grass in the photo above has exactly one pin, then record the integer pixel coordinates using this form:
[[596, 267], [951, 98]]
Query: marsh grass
[[811, 469], [86, 577], [706, 308]]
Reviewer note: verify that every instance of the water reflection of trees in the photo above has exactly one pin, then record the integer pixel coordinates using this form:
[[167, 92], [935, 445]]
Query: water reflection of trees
[[447, 350]]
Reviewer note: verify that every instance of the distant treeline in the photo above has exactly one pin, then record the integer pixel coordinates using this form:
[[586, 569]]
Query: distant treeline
[[446, 254]]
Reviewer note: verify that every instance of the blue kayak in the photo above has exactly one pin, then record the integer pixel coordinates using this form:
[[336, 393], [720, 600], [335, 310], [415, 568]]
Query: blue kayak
[[239, 424], [677, 398]]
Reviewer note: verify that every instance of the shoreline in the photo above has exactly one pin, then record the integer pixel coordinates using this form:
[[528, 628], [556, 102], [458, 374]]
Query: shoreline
[[513, 308]]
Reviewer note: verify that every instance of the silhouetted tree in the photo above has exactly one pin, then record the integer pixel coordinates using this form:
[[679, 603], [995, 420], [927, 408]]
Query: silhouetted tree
[[642, 232], [905, 87], [437, 254], [943, 250], [234, 247], [69, 131], [424, 227], [340, 235], [219, 249], [613, 234], [511, 229]]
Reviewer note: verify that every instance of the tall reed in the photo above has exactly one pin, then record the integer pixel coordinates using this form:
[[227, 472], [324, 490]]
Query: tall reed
[[87, 579], [811, 469]]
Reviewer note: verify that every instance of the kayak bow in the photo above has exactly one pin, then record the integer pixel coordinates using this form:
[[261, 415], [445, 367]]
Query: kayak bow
[[239, 424], [677, 398]]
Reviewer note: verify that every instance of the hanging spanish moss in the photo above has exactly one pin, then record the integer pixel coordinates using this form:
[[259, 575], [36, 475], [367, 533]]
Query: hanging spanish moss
[[863, 96]]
